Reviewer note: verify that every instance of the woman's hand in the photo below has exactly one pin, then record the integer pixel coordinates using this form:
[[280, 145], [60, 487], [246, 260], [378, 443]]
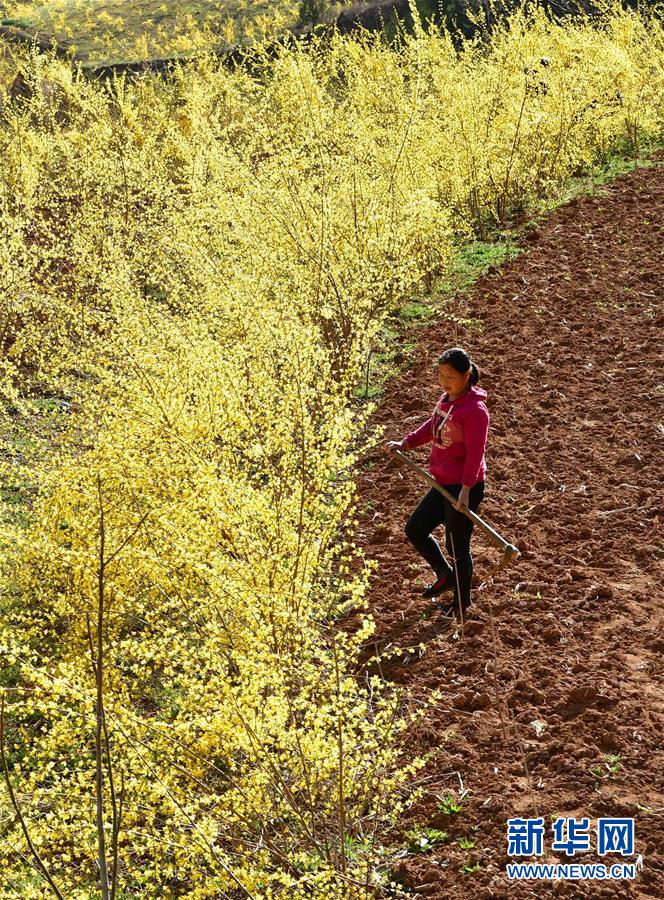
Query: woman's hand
[[464, 498], [391, 446]]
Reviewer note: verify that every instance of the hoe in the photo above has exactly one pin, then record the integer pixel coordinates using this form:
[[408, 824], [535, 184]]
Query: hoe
[[509, 551]]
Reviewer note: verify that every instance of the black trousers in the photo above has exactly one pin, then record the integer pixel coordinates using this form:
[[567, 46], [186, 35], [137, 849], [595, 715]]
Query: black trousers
[[435, 510]]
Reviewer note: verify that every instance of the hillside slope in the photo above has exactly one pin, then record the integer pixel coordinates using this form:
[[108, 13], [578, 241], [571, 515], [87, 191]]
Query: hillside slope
[[571, 356]]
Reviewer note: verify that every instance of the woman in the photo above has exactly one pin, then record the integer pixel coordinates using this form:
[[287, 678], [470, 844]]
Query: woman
[[458, 428]]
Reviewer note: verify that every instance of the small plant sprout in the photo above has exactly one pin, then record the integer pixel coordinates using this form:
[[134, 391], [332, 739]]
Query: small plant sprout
[[471, 867], [466, 843], [421, 840], [612, 765], [354, 847], [450, 806]]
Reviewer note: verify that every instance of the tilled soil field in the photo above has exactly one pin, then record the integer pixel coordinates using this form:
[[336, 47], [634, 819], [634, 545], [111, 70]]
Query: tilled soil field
[[571, 356]]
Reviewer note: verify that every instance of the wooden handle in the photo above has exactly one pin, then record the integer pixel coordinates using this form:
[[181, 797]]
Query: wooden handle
[[510, 552]]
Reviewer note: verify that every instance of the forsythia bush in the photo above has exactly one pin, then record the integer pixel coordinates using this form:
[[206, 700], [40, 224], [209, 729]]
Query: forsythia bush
[[197, 267], [146, 29]]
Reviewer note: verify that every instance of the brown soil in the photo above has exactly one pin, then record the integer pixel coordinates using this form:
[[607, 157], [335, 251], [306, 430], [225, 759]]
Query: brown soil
[[571, 357]]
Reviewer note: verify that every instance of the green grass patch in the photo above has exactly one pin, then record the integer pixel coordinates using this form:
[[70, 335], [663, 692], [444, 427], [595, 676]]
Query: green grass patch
[[476, 259], [411, 311], [20, 22]]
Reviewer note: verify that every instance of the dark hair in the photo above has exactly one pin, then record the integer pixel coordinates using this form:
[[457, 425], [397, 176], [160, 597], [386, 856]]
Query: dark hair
[[459, 360]]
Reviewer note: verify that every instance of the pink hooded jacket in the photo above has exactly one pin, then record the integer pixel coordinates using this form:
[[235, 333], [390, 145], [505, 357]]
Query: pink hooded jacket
[[459, 440]]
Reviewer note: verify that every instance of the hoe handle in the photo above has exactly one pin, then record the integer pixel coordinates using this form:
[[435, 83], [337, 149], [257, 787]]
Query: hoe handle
[[510, 552]]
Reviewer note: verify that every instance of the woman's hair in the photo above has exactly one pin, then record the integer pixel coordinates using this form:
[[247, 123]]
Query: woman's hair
[[459, 360]]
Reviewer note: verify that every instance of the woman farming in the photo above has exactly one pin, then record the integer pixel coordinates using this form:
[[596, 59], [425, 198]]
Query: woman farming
[[458, 428]]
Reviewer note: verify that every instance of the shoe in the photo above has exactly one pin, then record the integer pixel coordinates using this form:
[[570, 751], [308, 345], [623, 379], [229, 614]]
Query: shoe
[[444, 583], [451, 607]]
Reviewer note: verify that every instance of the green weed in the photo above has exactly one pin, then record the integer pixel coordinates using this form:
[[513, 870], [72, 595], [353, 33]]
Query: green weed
[[414, 310], [450, 806], [474, 260], [470, 867], [612, 765], [421, 840]]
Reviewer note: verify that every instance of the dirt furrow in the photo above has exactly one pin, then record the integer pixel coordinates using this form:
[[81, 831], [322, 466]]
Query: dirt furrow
[[571, 357]]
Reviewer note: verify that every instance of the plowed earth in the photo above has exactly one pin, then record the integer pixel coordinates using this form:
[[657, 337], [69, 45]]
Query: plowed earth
[[571, 357]]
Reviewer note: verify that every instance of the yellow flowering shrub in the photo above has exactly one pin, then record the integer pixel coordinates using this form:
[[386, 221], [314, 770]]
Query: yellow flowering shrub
[[96, 31], [195, 268]]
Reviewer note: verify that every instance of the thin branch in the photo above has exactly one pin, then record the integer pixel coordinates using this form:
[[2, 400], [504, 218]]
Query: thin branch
[[98, 669], [40, 864]]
